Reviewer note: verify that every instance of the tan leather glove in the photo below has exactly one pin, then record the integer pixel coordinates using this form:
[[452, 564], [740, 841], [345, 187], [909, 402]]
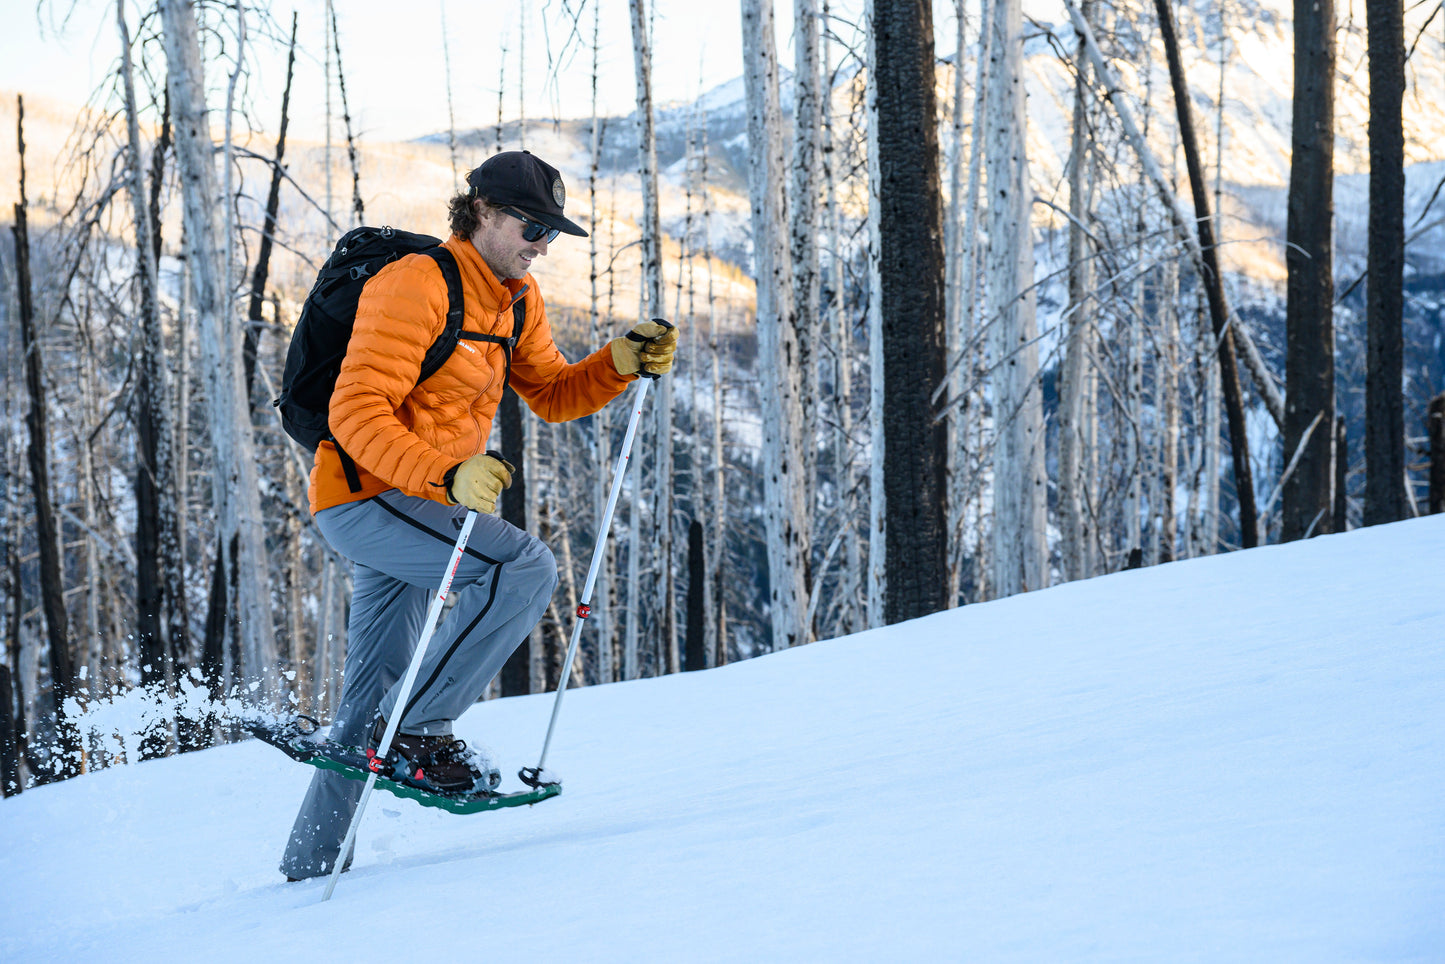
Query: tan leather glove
[[646, 349], [477, 482]]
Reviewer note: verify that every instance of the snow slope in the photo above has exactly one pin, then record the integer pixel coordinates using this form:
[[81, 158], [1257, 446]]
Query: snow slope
[[1239, 758]]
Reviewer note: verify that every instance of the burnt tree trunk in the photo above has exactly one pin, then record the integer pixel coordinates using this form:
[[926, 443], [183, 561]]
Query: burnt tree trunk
[[1342, 472], [268, 234], [695, 648], [152, 432], [1309, 257], [213, 646], [52, 592], [911, 273], [1213, 286], [1435, 427], [9, 745], [172, 519], [356, 206], [1385, 269], [516, 679], [13, 616]]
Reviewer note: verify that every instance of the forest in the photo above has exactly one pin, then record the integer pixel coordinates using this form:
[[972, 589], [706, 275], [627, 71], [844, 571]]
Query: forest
[[975, 298]]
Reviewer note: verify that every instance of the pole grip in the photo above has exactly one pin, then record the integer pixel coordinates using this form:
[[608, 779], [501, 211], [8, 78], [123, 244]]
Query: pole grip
[[664, 323]]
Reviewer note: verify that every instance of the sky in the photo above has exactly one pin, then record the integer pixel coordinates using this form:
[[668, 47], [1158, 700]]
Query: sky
[[395, 65], [1238, 758]]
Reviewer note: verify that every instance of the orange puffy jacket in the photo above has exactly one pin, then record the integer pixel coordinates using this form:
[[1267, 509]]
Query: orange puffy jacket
[[406, 436]]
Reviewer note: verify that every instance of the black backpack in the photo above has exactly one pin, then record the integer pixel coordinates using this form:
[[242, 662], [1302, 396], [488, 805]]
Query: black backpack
[[319, 342]]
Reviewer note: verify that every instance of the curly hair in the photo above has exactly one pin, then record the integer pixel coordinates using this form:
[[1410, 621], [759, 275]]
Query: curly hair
[[463, 216]]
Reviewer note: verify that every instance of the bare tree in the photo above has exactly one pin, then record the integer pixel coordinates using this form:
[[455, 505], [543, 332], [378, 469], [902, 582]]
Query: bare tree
[[603, 614], [1309, 257], [844, 464], [911, 294], [234, 481], [965, 355], [451, 113], [785, 503], [1074, 522], [652, 292], [717, 460], [809, 97], [157, 545], [1213, 286], [1384, 298], [1020, 551], [52, 591], [357, 208], [9, 745], [517, 677]]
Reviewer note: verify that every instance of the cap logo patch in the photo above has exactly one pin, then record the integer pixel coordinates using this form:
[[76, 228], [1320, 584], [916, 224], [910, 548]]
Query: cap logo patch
[[559, 193]]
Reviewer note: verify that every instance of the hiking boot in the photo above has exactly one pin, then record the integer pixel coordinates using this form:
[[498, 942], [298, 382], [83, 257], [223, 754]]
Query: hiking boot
[[440, 763]]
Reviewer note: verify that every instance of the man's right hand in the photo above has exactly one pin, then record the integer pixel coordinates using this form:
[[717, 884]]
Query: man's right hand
[[477, 482]]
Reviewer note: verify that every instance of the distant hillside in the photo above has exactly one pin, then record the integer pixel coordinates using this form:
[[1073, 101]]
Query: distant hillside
[[406, 183]]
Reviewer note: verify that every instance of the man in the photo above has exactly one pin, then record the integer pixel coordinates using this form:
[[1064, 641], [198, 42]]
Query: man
[[410, 460]]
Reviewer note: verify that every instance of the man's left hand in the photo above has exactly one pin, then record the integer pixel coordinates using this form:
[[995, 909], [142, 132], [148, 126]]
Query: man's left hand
[[647, 348]]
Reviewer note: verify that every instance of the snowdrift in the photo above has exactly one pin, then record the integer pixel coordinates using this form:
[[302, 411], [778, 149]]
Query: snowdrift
[[1238, 758]]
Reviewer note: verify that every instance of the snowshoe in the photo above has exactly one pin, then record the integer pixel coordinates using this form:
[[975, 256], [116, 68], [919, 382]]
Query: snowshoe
[[299, 738]]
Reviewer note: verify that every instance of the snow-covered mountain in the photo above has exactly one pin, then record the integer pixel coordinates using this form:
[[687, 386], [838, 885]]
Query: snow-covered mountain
[[402, 183], [1234, 758]]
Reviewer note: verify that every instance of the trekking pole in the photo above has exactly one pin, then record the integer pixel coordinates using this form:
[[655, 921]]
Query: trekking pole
[[532, 776], [433, 616]]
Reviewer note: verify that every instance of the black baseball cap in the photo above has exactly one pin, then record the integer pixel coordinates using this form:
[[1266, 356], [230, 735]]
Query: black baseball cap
[[521, 180]]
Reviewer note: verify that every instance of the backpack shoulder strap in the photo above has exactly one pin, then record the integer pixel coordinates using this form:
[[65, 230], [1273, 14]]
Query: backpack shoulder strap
[[440, 350], [446, 343]]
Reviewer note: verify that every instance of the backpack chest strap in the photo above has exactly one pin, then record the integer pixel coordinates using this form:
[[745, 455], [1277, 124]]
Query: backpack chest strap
[[519, 317]]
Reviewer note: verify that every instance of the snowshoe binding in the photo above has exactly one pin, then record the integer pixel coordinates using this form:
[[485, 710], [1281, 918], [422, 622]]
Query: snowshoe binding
[[438, 764]]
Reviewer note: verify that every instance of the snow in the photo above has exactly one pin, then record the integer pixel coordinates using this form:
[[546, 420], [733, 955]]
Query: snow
[[1237, 758]]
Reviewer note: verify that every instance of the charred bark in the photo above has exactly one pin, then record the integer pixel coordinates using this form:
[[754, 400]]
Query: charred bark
[[152, 431], [1435, 428], [911, 274], [15, 611], [1309, 257], [516, 678], [1342, 469], [9, 746], [695, 650], [1385, 268], [52, 591]]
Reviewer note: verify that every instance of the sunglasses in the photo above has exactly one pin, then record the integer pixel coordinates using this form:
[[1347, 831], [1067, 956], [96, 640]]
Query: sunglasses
[[533, 230]]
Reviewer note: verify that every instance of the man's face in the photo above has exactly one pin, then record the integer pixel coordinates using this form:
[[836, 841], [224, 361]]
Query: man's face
[[498, 239]]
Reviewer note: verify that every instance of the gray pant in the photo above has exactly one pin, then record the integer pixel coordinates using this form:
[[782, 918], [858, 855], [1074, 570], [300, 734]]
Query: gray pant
[[401, 545]]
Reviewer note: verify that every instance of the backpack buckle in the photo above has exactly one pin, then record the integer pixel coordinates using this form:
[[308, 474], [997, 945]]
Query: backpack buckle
[[360, 271]]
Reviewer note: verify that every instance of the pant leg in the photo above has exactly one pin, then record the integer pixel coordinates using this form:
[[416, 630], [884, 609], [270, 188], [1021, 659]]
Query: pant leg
[[401, 546], [502, 586], [386, 617]]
